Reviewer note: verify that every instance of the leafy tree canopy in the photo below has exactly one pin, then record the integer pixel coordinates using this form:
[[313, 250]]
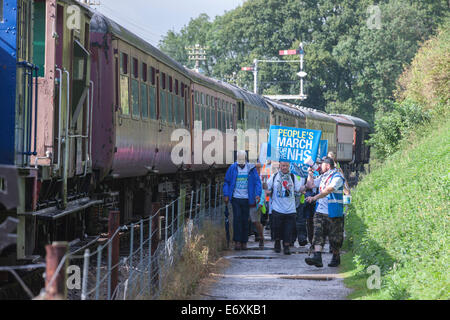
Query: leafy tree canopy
[[352, 62]]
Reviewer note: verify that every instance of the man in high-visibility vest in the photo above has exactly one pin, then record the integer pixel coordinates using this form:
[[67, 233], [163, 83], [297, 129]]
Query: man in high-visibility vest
[[329, 216]]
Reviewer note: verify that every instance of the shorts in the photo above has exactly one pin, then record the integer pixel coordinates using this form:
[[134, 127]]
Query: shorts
[[332, 227], [255, 214]]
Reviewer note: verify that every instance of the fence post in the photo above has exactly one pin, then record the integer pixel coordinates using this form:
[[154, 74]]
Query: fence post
[[56, 289], [141, 249], [197, 211], [85, 274], [99, 263], [202, 203], [166, 226], [113, 225], [215, 201], [209, 200], [154, 273], [173, 218], [190, 209]]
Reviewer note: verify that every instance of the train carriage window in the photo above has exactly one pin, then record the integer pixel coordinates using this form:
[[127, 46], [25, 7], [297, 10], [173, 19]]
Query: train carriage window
[[224, 121], [135, 68], [169, 107], [135, 98], [144, 72], [153, 75], [1, 11], [124, 94], [153, 103], [162, 102], [182, 113], [219, 120], [203, 99], [208, 118], [207, 100], [175, 108], [38, 36], [124, 84], [144, 100], [123, 63], [163, 81], [176, 87], [170, 84]]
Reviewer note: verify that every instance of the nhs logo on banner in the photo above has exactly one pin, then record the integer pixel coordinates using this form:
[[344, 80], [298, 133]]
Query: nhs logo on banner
[[295, 145]]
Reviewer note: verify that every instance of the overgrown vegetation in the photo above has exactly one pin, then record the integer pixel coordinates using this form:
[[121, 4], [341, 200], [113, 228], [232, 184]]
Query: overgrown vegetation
[[400, 213], [202, 249], [422, 93]]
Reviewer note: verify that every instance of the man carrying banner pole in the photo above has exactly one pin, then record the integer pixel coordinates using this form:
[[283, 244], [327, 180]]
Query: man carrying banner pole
[[282, 187]]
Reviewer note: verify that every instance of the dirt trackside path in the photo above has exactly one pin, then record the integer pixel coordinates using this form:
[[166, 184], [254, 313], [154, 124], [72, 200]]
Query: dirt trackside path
[[257, 274]]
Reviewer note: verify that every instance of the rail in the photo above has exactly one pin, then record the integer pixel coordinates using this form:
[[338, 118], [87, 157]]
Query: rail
[[146, 259]]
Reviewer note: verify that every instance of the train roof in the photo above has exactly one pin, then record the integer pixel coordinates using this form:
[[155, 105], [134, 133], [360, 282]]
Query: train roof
[[285, 108], [357, 121], [342, 120], [102, 23], [209, 82], [313, 113], [246, 96]]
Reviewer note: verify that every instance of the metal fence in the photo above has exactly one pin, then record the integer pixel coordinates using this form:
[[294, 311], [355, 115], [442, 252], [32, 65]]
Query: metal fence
[[154, 245]]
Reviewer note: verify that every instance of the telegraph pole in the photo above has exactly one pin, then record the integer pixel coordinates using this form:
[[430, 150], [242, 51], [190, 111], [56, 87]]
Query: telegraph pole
[[197, 53], [255, 76]]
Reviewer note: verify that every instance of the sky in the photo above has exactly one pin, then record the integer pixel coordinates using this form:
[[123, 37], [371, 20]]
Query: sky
[[151, 19]]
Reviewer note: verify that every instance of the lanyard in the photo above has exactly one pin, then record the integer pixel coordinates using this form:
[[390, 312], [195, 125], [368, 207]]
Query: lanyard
[[326, 182]]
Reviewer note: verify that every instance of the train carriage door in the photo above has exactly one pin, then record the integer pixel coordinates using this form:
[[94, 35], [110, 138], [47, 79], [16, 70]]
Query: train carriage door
[[79, 104]]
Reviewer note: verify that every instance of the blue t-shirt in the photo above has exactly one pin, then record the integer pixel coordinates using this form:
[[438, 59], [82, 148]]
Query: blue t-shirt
[[241, 188]]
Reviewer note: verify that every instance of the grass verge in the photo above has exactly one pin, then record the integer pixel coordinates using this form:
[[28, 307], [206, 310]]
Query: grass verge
[[398, 221], [197, 259]]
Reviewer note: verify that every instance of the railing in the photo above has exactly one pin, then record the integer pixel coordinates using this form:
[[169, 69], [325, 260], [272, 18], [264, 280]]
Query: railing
[[142, 265], [27, 86]]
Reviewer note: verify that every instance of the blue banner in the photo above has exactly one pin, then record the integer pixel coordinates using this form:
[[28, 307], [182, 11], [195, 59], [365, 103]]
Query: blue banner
[[323, 149], [296, 145]]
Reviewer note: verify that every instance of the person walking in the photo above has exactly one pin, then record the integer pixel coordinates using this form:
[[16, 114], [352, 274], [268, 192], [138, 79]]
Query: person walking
[[243, 186], [255, 215], [300, 233], [328, 218], [281, 187], [338, 168]]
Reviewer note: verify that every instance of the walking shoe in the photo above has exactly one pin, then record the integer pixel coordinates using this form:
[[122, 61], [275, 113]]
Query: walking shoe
[[261, 244], [335, 261], [302, 243], [237, 246], [316, 260], [277, 246], [243, 245], [286, 250]]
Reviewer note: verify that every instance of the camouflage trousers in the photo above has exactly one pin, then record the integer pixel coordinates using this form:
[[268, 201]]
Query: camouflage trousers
[[332, 227]]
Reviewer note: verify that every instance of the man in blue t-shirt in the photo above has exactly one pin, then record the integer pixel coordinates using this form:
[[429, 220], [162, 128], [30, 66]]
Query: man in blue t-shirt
[[243, 186]]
